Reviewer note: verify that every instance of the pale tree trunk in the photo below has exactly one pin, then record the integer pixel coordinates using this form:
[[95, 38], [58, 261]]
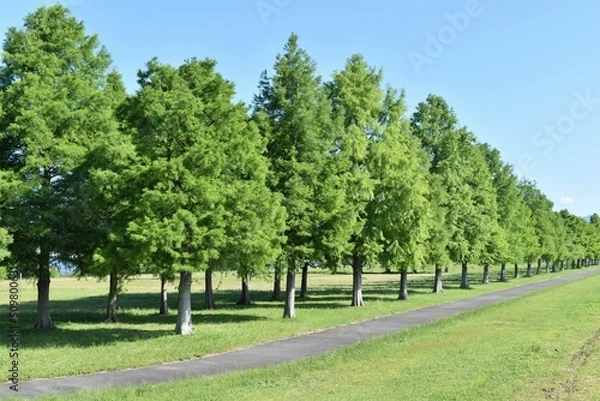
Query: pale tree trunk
[[516, 271], [289, 310], [528, 272], [276, 296], [43, 321], [184, 310], [357, 295], [486, 274], [464, 277], [437, 281], [245, 297], [304, 283], [503, 272], [113, 292], [209, 296], [403, 293], [164, 306]]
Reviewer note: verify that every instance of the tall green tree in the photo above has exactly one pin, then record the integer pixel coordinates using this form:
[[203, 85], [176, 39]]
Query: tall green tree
[[541, 220], [300, 148], [357, 100], [204, 197], [113, 202], [478, 223], [468, 195], [431, 124], [436, 245], [56, 108], [515, 233], [576, 228], [595, 234], [400, 210]]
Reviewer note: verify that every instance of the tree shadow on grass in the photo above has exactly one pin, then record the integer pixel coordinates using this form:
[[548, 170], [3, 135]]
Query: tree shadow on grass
[[136, 309], [104, 334]]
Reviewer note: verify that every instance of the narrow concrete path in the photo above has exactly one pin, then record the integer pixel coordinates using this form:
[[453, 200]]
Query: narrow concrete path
[[281, 351]]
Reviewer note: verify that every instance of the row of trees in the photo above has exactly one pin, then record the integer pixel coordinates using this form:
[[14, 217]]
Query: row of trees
[[178, 178]]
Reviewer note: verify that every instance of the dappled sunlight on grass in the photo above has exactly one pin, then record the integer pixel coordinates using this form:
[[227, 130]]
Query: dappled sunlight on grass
[[85, 343], [516, 350]]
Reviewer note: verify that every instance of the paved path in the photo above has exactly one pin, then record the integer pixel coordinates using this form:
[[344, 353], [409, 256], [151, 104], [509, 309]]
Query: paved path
[[281, 351]]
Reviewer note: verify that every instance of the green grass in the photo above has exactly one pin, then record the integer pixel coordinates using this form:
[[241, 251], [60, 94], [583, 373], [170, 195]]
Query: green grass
[[542, 346], [83, 344]]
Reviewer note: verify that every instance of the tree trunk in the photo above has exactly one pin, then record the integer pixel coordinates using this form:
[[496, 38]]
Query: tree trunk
[[562, 265], [437, 281], [464, 277], [113, 292], [289, 311], [164, 306], [209, 296], [304, 283], [538, 270], [403, 294], [43, 321], [503, 272], [245, 298], [528, 273], [184, 310], [516, 271], [547, 266], [357, 296], [553, 266], [486, 274], [276, 296]]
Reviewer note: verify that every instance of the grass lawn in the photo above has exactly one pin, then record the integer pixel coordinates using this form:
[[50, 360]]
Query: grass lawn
[[83, 344], [542, 346]]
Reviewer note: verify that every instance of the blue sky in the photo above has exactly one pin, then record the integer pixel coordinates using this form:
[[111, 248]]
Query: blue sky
[[523, 76]]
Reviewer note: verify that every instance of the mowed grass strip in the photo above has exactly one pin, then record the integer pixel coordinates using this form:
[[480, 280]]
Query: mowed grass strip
[[83, 344], [542, 346]]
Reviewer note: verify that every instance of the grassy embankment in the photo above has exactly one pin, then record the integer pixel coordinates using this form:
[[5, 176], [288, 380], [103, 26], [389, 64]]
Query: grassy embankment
[[542, 346], [84, 344]]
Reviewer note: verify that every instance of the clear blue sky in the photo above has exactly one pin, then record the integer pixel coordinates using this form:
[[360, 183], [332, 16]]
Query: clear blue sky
[[523, 76]]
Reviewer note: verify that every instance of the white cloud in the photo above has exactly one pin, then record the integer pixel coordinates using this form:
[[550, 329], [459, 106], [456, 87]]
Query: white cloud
[[566, 200]]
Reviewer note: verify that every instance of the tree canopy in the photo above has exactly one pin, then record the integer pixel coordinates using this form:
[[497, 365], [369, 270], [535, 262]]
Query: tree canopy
[[180, 178]]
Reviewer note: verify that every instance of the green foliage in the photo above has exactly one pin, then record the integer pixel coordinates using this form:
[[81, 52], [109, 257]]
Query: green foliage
[[400, 211], [200, 182], [357, 100], [540, 208], [467, 200], [56, 108], [594, 233], [295, 118], [577, 231]]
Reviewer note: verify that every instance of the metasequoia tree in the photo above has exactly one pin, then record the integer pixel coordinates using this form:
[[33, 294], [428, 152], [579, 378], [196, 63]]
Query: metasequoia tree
[[56, 108], [298, 128], [202, 174]]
